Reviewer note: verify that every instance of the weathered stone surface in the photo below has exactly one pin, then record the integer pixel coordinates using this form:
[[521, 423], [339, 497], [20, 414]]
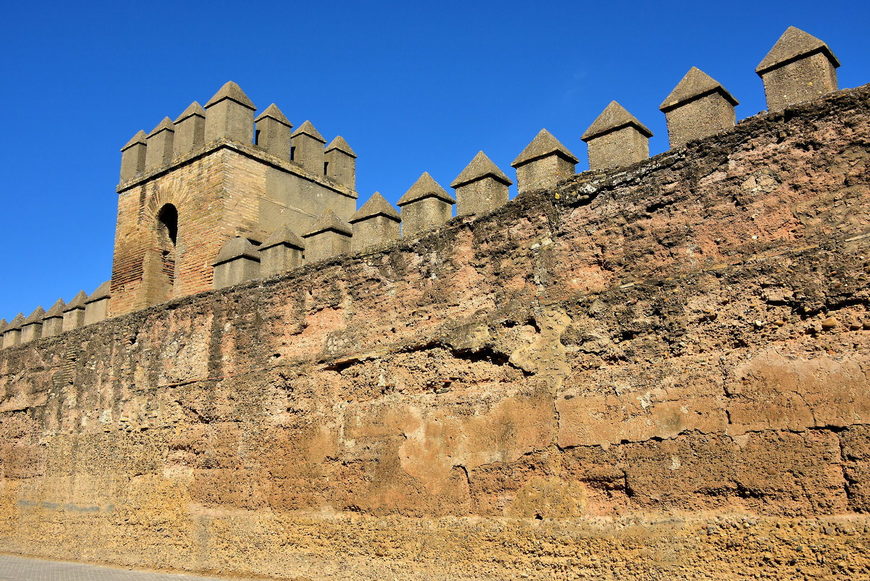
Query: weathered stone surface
[[616, 138], [481, 187], [655, 373], [699, 106], [133, 156], [543, 163], [230, 115], [798, 68], [425, 205], [376, 222], [273, 131]]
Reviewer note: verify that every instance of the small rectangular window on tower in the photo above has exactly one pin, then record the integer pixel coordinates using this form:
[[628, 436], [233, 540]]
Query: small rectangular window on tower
[[325, 168], [292, 152]]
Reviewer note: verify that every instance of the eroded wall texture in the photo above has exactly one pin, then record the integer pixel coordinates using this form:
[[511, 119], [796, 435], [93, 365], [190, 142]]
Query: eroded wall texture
[[651, 373]]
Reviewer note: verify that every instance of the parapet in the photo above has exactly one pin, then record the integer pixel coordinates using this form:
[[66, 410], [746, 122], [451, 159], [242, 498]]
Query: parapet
[[797, 68]]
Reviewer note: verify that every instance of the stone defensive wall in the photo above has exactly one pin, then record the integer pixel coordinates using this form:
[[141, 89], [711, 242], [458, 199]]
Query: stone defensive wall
[[657, 369]]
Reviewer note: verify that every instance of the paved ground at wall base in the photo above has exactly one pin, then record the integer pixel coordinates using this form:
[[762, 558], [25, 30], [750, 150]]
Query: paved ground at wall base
[[22, 569]]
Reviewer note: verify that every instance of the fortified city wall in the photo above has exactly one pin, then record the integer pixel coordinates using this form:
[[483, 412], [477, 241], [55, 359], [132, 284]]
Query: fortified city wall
[[656, 369]]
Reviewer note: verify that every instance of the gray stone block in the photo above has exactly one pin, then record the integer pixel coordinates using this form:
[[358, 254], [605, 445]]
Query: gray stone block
[[481, 187], [237, 261], [189, 130], [273, 132], [377, 222], [160, 141], [616, 138], [699, 106], [229, 114], [74, 312], [329, 237], [306, 148], [97, 304], [799, 68], [340, 162], [281, 251], [543, 163], [424, 206], [133, 156]]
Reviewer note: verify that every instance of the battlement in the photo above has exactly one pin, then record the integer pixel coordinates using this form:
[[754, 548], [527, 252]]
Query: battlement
[[273, 183], [656, 369]]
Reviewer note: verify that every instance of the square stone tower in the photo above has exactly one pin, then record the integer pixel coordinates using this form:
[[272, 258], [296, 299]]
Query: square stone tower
[[175, 214]]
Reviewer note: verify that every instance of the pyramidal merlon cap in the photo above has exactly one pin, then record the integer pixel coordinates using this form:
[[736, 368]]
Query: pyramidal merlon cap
[[231, 91], [165, 125], [3, 325], [480, 167], [341, 145], [377, 205], [614, 117], [78, 302], [283, 235], [273, 112], [425, 187], [56, 309], [542, 145], [35, 317], [194, 109], [329, 222], [139, 139], [16, 323], [695, 84], [103, 292], [307, 128], [792, 45], [238, 247]]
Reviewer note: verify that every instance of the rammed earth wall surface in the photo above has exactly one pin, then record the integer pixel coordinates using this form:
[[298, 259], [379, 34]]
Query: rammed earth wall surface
[[656, 373]]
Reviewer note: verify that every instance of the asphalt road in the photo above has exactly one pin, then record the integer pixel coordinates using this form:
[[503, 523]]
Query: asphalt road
[[21, 569]]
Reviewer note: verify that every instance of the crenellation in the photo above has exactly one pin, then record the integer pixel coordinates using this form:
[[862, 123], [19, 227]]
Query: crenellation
[[97, 304], [328, 237], [539, 383], [481, 187], [273, 132], [424, 206], [281, 251], [31, 329], [12, 334], [74, 312], [189, 130], [543, 163], [159, 151], [52, 322], [306, 148], [699, 106], [376, 222], [238, 261], [798, 68], [230, 115], [133, 156], [340, 162], [616, 138]]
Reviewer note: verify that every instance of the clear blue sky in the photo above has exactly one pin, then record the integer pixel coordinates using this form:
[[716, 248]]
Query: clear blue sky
[[412, 86]]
